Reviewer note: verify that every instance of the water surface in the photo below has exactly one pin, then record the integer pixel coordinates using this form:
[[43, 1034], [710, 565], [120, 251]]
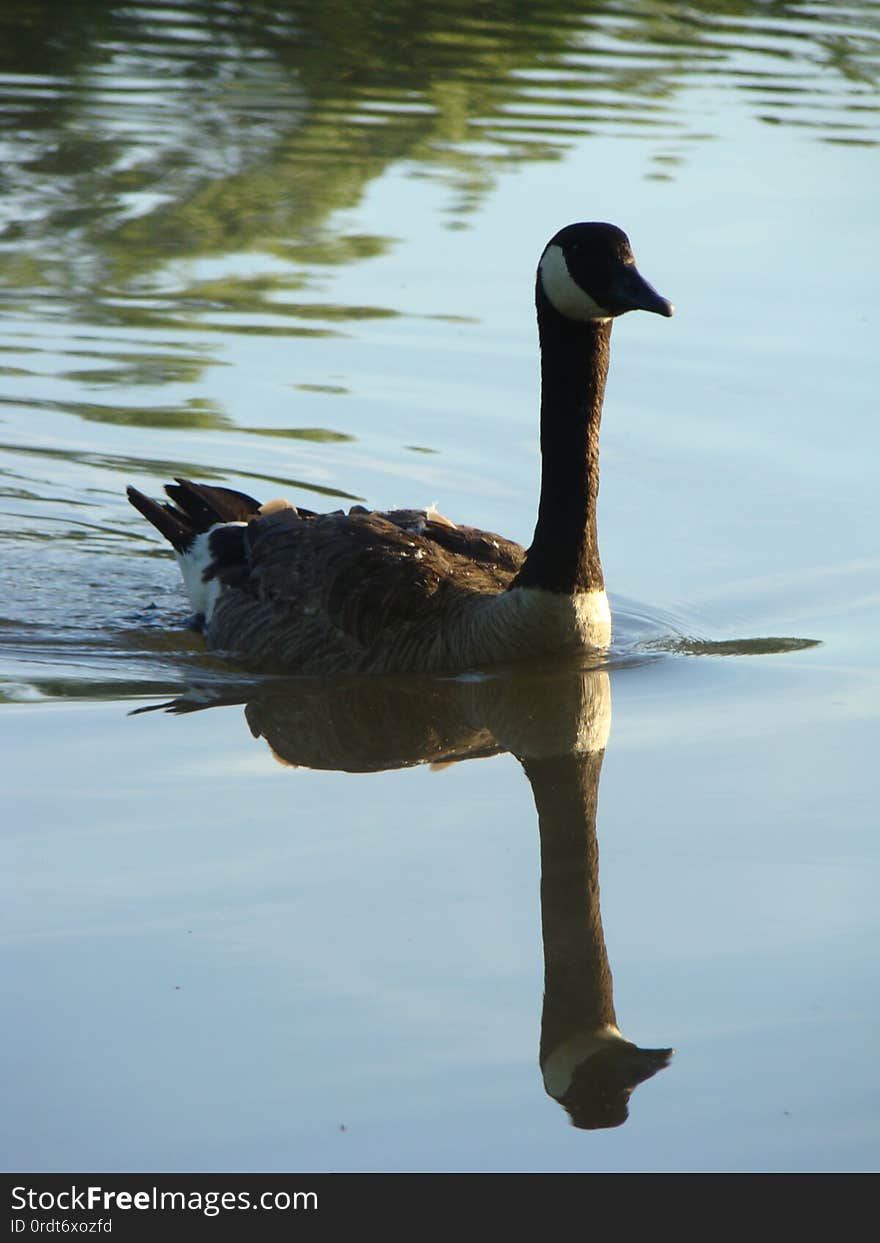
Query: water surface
[[327, 927]]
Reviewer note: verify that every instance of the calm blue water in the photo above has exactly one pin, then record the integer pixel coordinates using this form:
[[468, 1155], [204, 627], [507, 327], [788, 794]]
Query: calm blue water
[[298, 256]]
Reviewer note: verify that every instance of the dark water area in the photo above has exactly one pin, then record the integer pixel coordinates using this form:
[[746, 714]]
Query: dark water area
[[279, 923]]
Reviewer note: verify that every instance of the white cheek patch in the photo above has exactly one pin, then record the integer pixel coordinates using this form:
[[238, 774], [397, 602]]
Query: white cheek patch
[[563, 291], [559, 1068]]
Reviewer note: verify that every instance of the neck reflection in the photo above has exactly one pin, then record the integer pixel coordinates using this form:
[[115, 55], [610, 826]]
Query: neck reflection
[[556, 722]]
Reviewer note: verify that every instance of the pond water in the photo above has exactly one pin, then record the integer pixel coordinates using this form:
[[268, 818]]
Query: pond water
[[293, 925]]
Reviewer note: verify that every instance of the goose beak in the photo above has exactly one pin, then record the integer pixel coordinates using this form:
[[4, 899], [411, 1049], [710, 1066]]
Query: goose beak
[[633, 293]]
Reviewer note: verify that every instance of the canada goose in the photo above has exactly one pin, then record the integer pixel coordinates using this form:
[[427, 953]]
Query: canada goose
[[409, 591]]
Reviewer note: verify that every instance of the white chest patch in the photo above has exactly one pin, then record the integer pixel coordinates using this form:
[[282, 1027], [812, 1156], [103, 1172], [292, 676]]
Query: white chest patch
[[528, 621], [563, 291]]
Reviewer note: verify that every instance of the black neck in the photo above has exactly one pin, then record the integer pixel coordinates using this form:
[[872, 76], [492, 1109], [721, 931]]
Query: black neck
[[578, 992], [564, 555]]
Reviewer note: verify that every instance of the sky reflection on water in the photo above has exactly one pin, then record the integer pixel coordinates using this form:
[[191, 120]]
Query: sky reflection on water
[[292, 246]]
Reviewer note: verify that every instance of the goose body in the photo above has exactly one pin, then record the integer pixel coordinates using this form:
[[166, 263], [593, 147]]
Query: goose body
[[278, 587]]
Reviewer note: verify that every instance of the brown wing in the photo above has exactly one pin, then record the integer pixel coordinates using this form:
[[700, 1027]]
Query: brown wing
[[484, 547], [338, 591]]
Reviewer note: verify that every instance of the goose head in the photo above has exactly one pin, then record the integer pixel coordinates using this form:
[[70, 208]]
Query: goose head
[[588, 273]]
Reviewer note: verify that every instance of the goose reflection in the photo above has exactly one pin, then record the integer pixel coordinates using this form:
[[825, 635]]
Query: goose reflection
[[556, 723]]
